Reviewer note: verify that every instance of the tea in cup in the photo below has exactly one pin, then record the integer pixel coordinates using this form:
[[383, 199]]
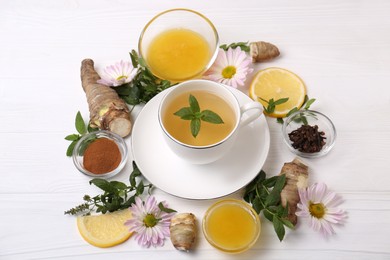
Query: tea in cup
[[200, 119], [178, 44]]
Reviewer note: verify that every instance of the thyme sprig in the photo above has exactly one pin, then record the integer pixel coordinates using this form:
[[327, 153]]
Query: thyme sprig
[[264, 195], [116, 195]]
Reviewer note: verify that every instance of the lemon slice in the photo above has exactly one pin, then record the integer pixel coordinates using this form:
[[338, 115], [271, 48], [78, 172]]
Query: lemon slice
[[105, 230], [278, 83]]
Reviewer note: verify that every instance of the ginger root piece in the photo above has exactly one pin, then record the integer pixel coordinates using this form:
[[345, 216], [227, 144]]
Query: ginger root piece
[[183, 231], [262, 51], [297, 174], [107, 110]]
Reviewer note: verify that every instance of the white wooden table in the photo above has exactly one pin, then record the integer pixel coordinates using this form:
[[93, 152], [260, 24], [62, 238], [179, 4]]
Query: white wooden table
[[341, 49]]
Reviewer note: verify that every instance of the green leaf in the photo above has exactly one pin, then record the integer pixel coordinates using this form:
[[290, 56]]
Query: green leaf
[[287, 223], [281, 181], [104, 185], [195, 127], [280, 101], [164, 209], [211, 117], [194, 105], [185, 113], [73, 137], [70, 149], [80, 124], [134, 174], [292, 111], [273, 198], [118, 185], [268, 215], [243, 45], [279, 227], [91, 129], [134, 58], [270, 182], [140, 188], [309, 103], [257, 205], [280, 120]]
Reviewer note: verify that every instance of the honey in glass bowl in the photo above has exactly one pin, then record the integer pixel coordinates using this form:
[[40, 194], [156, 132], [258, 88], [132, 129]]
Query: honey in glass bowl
[[178, 44], [231, 226]]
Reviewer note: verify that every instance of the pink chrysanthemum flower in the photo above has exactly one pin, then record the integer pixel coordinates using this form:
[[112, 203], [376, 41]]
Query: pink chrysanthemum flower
[[118, 74], [320, 205], [150, 224], [231, 67]]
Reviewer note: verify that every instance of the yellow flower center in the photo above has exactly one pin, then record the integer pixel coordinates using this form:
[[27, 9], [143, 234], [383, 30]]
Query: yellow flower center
[[317, 209], [150, 220], [121, 77], [228, 72]]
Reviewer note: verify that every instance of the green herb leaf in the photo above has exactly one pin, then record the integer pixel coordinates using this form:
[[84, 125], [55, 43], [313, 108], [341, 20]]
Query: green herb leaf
[[73, 137], [80, 124], [164, 209], [243, 45], [270, 182], [118, 185], [280, 101], [70, 149], [194, 105], [292, 111], [273, 198], [103, 185], [309, 103], [195, 127], [280, 120], [185, 113], [211, 117], [287, 223], [257, 205], [279, 227], [281, 181], [268, 215]]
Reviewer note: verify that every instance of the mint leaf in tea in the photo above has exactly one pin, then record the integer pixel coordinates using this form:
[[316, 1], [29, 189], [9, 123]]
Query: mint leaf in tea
[[206, 126], [194, 114]]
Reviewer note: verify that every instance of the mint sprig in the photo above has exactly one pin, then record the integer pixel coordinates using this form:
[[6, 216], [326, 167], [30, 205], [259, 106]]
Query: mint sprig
[[264, 195], [81, 129], [194, 114]]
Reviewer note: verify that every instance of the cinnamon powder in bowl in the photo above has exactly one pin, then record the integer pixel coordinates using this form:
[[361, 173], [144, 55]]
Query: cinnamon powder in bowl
[[100, 154]]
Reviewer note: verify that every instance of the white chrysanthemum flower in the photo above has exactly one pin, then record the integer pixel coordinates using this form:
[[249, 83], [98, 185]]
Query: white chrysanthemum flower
[[320, 205], [231, 67], [150, 224], [118, 74]]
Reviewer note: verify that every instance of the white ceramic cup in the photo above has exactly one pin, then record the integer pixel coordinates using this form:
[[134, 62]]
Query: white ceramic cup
[[208, 153]]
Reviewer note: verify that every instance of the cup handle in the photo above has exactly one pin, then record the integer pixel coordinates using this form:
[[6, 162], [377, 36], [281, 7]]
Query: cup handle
[[247, 107]]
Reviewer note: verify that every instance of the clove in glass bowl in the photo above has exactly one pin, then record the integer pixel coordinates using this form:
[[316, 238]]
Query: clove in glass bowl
[[309, 133]]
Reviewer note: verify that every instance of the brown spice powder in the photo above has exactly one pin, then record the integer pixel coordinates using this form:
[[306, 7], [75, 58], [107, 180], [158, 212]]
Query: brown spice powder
[[102, 156]]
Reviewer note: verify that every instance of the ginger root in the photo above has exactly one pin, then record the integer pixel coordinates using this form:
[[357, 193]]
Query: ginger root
[[183, 231], [262, 51], [107, 110], [297, 174]]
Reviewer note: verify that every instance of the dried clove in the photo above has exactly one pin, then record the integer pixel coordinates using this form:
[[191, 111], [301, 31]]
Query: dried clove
[[307, 139]]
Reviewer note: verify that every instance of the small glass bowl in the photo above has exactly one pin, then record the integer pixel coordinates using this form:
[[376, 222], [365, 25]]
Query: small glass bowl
[[184, 19], [213, 240], [82, 144], [309, 117]]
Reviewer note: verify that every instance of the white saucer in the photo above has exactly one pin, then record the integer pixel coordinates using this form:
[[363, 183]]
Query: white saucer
[[168, 172]]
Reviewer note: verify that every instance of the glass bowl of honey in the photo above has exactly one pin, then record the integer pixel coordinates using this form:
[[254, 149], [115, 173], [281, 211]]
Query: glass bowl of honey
[[231, 225], [179, 44]]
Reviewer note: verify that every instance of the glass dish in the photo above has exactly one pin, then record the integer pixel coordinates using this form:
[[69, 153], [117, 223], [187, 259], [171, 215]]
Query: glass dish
[[231, 217], [309, 117], [179, 18], [87, 139]]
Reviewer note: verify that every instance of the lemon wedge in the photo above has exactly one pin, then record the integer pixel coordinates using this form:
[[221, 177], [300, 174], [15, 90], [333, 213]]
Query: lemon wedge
[[105, 230], [278, 83]]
